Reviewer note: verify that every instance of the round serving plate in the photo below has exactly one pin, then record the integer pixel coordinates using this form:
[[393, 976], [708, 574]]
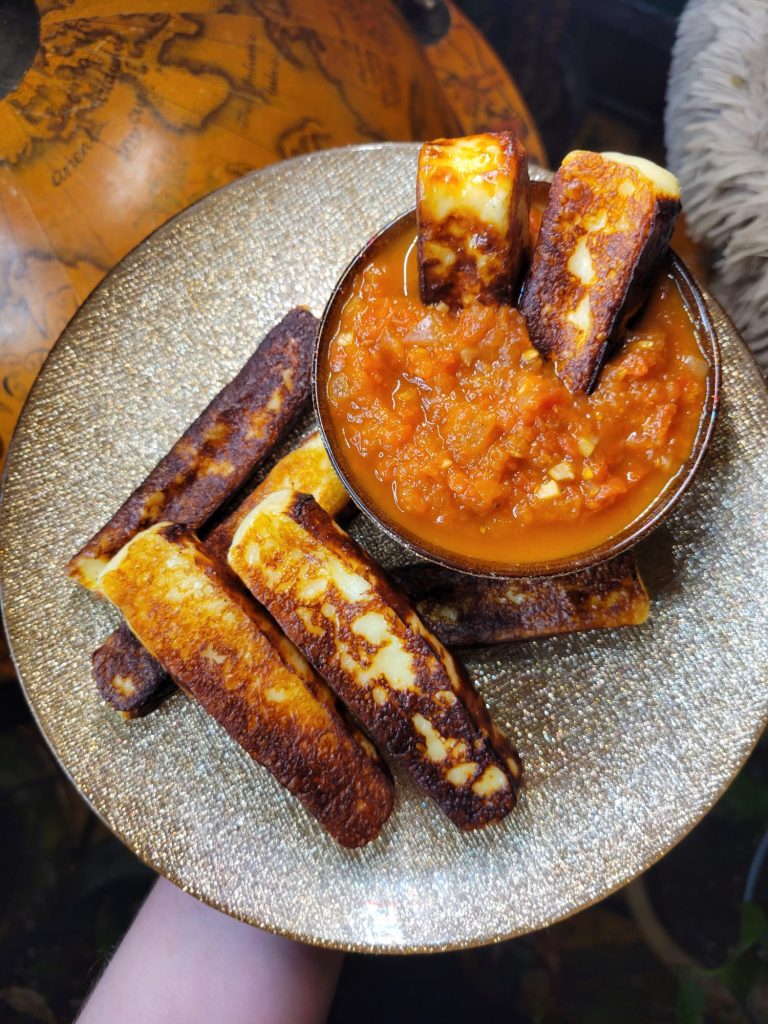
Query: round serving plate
[[628, 737]]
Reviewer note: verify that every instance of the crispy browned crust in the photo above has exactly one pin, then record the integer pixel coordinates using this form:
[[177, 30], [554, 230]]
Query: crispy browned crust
[[463, 610], [463, 256], [231, 658], [361, 634], [127, 676], [306, 468], [220, 449], [624, 253]]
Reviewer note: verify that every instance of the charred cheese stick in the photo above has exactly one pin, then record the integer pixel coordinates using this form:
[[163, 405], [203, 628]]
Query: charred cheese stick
[[397, 679], [465, 610], [605, 229], [224, 652], [472, 215], [129, 678], [220, 450]]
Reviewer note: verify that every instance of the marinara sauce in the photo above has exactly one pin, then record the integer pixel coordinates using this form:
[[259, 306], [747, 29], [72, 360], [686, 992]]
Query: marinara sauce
[[460, 432]]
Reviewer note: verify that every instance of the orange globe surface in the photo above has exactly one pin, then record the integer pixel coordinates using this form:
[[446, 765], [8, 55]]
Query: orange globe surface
[[133, 109]]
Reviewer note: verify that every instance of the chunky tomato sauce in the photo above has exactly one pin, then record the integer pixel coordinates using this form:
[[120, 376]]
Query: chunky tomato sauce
[[461, 433]]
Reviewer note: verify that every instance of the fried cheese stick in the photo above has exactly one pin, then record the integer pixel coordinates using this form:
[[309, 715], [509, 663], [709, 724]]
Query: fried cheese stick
[[231, 658], [472, 217], [308, 469], [398, 680], [129, 678], [605, 230], [464, 610], [220, 450]]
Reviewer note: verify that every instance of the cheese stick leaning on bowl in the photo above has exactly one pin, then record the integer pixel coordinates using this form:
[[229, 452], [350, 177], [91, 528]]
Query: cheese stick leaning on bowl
[[220, 648], [398, 680], [466, 610], [131, 680]]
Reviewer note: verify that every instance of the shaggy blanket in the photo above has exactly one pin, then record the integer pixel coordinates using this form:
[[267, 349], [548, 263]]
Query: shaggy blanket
[[717, 144]]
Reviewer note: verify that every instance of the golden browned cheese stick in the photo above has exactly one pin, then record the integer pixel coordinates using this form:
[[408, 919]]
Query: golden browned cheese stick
[[221, 448], [463, 610], [604, 232], [129, 678], [360, 633], [228, 655], [472, 217], [306, 469]]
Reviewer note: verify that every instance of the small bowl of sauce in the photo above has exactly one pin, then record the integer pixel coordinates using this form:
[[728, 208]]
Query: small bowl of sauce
[[459, 440]]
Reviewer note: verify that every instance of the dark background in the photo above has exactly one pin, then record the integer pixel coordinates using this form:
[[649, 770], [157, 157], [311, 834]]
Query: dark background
[[594, 75], [593, 72]]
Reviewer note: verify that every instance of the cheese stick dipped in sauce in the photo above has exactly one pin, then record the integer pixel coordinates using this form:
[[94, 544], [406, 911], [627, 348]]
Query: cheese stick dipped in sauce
[[397, 679], [472, 212], [604, 232], [229, 656]]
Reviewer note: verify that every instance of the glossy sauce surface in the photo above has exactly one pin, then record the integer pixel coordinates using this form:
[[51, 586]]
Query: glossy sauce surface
[[462, 434]]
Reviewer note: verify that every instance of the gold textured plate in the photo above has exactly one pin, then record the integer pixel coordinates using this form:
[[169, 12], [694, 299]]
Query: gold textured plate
[[628, 737]]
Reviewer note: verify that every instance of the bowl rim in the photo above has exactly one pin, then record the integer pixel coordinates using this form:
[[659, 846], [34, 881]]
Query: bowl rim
[[663, 505]]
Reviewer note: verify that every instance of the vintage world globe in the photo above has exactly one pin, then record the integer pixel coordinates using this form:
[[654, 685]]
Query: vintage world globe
[[117, 114]]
